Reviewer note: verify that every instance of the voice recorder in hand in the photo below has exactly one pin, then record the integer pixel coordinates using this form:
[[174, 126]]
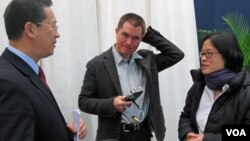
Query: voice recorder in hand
[[134, 94]]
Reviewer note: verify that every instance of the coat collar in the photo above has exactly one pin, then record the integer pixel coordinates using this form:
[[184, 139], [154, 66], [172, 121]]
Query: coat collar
[[240, 79]]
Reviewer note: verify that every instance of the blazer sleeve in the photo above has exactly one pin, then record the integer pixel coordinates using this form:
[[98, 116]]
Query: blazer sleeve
[[170, 53], [96, 94]]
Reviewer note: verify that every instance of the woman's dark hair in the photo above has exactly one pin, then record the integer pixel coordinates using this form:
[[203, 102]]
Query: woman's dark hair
[[228, 46], [19, 12]]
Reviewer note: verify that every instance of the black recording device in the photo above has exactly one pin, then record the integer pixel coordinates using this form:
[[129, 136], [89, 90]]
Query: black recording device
[[134, 94]]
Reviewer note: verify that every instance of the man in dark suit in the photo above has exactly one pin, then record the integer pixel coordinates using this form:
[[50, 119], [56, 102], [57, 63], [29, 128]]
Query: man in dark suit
[[122, 70], [28, 110]]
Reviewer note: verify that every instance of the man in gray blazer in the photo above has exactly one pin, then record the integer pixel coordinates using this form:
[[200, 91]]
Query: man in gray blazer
[[28, 110], [122, 71]]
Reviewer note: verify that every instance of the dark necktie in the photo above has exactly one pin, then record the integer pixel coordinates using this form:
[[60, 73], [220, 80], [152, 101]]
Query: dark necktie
[[42, 76]]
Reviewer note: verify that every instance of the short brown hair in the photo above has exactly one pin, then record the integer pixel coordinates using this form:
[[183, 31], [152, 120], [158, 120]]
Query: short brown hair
[[133, 19]]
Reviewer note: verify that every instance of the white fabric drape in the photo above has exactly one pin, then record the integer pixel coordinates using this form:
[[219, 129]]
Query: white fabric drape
[[87, 28]]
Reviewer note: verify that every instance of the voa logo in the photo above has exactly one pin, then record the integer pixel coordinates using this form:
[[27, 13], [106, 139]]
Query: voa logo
[[236, 132]]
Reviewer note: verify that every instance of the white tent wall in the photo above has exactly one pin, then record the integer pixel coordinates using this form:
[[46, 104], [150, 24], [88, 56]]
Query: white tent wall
[[87, 28]]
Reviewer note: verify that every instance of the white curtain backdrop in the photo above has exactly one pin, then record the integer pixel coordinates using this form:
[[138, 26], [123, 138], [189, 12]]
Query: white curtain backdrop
[[87, 28]]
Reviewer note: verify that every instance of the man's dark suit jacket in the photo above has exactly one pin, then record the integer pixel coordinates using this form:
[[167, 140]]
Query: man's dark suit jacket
[[28, 110], [101, 84]]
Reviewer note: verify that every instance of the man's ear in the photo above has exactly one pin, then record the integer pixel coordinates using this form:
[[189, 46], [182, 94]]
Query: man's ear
[[30, 29]]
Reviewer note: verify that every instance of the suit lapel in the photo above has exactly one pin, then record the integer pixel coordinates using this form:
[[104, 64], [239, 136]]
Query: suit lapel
[[112, 71], [146, 68], [45, 91], [145, 64], [26, 70]]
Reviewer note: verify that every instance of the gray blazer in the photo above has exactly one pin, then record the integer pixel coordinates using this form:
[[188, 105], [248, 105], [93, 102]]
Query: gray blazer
[[28, 110], [101, 84]]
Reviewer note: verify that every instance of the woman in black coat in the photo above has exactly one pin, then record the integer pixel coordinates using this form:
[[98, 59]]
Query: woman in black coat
[[220, 94]]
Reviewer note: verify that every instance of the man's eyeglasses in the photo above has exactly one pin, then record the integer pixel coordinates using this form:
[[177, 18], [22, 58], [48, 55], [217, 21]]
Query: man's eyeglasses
[[52, 25], [207, 54]]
